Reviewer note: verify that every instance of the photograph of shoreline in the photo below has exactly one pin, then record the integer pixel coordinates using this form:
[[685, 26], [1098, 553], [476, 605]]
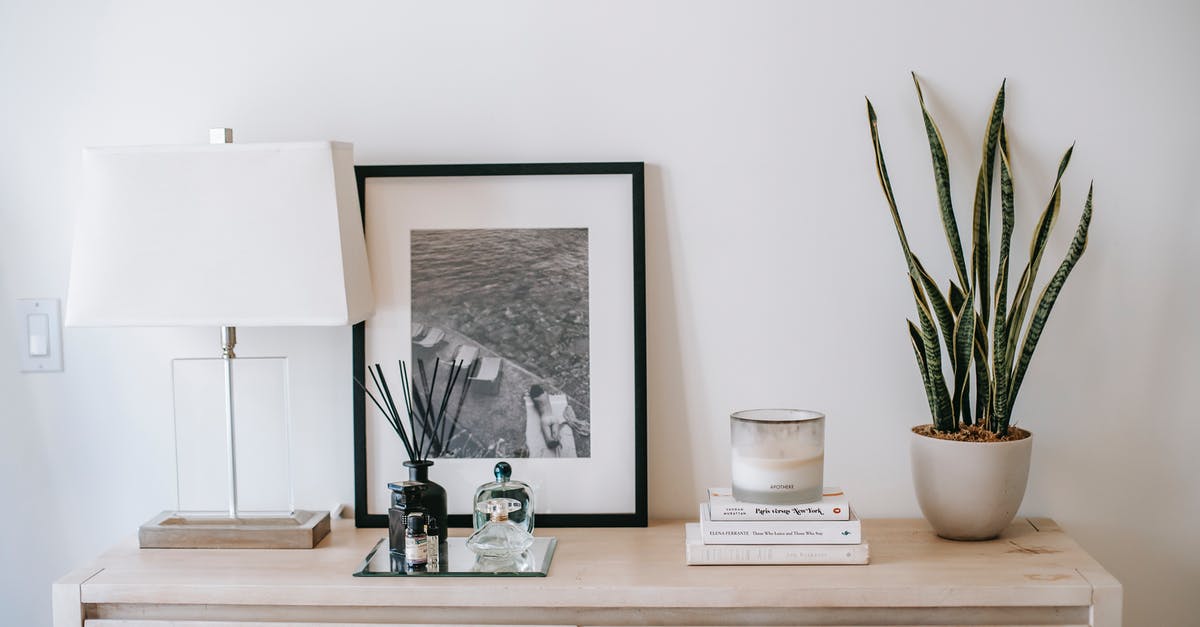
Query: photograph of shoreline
[[511, 305]]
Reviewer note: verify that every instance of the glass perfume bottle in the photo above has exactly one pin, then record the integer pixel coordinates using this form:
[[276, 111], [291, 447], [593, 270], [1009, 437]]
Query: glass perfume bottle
[[505, 488], [520, 563], [499, 537]]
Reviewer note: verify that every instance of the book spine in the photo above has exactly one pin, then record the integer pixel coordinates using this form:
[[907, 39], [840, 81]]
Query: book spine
[[713, 555], [743, 511], [778, 532], [849, 532]]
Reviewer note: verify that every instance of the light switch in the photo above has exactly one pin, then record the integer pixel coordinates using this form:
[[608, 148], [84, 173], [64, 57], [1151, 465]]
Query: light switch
[[41, 334]]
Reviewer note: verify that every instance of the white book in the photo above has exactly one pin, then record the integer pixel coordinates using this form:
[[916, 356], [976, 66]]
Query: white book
[[700, 554], [832, 506], [779, 531]]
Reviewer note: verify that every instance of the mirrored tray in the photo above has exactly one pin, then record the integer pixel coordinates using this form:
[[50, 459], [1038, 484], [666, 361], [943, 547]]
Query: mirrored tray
[[459, 561]]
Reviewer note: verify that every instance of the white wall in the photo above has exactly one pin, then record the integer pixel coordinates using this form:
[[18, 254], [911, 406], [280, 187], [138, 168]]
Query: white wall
[[774, 276]]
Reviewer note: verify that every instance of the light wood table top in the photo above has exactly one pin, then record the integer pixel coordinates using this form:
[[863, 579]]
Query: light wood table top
[[1034, 564]]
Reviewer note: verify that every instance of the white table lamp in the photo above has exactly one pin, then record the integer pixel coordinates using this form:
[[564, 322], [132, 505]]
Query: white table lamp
[[221, 235]]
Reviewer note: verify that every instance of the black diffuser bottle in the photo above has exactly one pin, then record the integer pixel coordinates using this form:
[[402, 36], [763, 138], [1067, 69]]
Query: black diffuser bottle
[[416, 494], [432, 495], [426, 426]]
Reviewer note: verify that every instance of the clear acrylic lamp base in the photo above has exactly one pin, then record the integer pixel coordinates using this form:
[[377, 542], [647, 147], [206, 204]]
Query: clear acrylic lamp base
[[233, 460]]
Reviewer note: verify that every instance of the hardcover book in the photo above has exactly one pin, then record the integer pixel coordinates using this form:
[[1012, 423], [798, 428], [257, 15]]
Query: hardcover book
[[779, 531], [832, 506], [700, 554]]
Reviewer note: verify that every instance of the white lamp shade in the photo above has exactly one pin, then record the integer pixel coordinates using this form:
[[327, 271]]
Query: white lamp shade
[[219, 235]]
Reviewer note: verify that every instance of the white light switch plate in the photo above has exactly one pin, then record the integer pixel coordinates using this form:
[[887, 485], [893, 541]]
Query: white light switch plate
[[40, 331]]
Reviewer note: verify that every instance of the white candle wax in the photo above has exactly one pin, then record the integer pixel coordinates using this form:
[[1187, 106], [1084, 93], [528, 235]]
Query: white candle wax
[[781, 477]]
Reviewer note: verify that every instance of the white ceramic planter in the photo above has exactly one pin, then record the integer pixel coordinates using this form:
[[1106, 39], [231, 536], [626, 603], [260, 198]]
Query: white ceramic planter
[[969, 490]]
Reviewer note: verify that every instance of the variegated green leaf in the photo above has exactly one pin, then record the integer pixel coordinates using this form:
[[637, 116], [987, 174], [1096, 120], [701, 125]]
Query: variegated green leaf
[[983, 391], [918, 345], [1001, 358], [1062, 163], [1016, 311], [1046, 302], [941, 178], [956, 296], [964, 416], [886, 183], [942, 418], [929, 332], [941, 309], [964, 341], [1041, 235], [981, 222]]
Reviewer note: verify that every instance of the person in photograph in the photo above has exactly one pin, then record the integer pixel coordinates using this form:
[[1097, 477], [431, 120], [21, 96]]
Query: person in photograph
[[549, 418]]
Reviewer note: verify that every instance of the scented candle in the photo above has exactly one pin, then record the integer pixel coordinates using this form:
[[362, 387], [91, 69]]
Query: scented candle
[[778, 455]]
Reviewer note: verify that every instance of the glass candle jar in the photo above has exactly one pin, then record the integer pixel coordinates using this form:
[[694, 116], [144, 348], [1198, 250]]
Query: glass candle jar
[[778, 455]]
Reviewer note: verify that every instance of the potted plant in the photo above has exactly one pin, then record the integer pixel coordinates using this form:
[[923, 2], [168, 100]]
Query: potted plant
[[970, 465]]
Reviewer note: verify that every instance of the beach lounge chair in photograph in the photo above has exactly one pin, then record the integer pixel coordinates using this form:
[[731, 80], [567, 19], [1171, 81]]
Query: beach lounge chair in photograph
[[418, 330], [431, 339], [487, 378], [466, 354]]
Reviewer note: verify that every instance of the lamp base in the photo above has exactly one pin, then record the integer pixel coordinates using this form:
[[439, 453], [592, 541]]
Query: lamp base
[[172, 530]]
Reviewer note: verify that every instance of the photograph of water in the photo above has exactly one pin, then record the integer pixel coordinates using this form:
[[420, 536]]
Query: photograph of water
[[511, 305]]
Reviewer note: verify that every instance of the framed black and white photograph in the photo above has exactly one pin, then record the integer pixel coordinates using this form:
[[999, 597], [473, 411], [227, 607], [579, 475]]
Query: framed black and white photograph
[[532, 278]]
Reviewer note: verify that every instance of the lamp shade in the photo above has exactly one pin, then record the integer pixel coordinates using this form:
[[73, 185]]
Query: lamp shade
[[219, 235]]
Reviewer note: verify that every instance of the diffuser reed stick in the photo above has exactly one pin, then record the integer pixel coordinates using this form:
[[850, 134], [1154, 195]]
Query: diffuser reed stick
[[432, 416]]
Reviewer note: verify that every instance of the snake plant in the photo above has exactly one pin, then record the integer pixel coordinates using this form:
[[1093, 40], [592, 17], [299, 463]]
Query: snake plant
[[974, 306]]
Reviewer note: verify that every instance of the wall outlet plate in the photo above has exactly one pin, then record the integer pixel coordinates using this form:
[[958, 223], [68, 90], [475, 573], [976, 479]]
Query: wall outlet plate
[[39, 327]]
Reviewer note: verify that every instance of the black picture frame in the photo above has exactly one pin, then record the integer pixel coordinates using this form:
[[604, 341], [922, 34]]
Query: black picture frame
[[636, 171]]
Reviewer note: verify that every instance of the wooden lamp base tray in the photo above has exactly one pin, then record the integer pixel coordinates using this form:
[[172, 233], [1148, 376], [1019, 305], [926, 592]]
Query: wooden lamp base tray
[[172, 530]]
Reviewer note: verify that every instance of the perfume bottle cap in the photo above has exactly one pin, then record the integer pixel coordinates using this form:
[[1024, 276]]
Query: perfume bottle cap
[[502, 471], [499, 509]]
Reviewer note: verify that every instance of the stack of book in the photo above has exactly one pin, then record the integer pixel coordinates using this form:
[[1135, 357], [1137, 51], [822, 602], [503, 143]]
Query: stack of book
[[733, 532]]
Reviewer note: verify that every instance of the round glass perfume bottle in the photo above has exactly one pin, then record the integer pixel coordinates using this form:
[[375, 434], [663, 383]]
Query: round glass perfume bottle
[[499, 537], [504, 487]]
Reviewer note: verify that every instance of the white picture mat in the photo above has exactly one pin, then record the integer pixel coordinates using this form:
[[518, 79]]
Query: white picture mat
[[604, 483]]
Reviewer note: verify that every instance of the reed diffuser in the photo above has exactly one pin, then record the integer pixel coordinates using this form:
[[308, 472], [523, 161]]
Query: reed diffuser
[[426, 428]]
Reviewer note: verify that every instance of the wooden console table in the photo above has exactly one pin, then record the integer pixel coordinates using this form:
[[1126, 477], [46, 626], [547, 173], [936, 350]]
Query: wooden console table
[[1032, 575]]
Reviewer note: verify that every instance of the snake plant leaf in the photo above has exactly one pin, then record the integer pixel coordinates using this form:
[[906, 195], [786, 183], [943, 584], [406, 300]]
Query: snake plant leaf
[[937, 301], [1062, 163], [886, 183], [915, 335], [943, 420], [981, 222], [964, 414], [1046, 302], [941, 178], [1001, 357], [1016, 311], [964, 343], [983, 389], [1041, 235], [918, 344], [956, 296]]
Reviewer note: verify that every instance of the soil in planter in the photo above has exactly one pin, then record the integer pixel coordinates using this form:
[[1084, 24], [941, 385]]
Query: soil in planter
[[972, 433]]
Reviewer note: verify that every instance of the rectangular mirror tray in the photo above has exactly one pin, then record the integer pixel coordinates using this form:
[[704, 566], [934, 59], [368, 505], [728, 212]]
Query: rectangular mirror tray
[[459, 561]]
